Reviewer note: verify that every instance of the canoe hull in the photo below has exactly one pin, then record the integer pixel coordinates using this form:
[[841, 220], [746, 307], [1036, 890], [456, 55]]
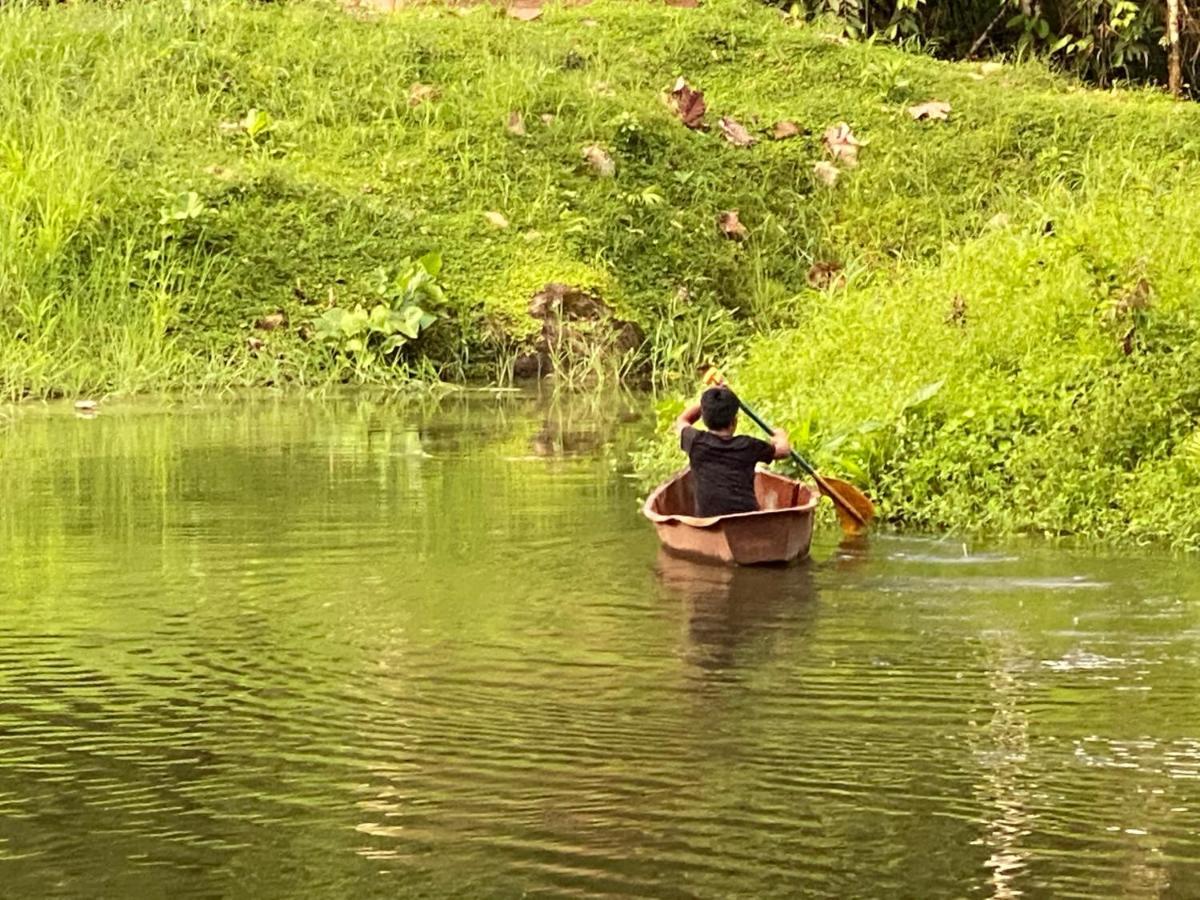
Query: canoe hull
[[779, 532]]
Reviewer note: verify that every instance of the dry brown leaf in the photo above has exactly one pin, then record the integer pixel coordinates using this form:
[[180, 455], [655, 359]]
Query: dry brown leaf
[[736, 133], [271, 321], [1127, 340], [495, 219], [827, 172], [1134, 300], [689, 105], [731, 226], [599, 161], [930, 109], [523, 13], [841, 144], [516, 124], [824, 275], [421, 93], [784, 130], [958, 311]]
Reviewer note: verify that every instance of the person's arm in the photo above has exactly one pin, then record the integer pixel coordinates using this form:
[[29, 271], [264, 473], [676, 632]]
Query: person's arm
[[687, 418], [779, 440]]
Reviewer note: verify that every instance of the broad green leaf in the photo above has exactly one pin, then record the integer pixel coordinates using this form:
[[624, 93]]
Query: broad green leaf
[[380, 319], [329, 323], [432, 263], [354, 322], [410, 325], [393, 343], [924, 394]]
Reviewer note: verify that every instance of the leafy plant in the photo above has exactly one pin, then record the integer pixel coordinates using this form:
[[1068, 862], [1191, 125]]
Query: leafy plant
[[256, 125], [372, 337]]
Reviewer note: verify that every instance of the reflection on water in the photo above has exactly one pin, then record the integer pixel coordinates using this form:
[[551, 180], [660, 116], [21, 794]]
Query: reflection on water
[[371, 647], [729, 609]]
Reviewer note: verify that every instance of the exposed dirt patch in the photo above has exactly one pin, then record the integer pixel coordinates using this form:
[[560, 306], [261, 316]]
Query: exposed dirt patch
[[577, 327]]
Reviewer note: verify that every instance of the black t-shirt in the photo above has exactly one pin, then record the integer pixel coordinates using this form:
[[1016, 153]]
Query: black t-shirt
[[723, 470]]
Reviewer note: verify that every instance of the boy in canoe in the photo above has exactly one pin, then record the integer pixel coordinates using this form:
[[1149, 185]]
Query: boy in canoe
[[722, 463]]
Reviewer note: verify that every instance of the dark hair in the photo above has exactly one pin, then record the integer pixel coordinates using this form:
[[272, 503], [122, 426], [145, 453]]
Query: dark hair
[[719, 407]]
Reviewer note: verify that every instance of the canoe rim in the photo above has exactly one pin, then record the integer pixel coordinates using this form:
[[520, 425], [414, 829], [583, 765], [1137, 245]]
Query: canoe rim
[[813, 497]]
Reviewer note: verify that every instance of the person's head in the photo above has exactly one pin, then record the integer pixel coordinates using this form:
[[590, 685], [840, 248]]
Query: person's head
[[719, 408]]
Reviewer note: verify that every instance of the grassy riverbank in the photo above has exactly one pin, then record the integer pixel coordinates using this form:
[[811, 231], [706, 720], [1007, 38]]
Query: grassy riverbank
[[989, 320]]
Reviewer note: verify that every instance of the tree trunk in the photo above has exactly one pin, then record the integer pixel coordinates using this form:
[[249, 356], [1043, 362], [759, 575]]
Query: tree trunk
[[1174, 52]]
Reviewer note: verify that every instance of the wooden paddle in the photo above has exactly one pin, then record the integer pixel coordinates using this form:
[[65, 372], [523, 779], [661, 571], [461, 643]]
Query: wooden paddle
[[854, 510]]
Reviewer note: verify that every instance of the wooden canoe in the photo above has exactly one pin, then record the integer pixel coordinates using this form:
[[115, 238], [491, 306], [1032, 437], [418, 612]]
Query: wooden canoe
[[779, 532]]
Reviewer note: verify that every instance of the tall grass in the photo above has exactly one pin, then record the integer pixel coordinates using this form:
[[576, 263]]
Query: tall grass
[[109, 114], [1042, 206], [1021, 355]]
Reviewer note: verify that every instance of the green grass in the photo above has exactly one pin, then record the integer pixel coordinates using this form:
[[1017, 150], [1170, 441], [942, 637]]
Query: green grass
[[110, 116]]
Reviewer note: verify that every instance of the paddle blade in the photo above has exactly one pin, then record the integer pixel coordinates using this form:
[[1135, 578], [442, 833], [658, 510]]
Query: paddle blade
[[853, 498]]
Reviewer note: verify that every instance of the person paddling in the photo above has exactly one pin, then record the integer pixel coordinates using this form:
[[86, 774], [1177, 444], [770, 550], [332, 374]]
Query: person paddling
[[722, 463]]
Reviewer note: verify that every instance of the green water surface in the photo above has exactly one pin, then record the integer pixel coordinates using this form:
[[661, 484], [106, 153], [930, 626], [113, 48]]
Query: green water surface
[[368, 647]]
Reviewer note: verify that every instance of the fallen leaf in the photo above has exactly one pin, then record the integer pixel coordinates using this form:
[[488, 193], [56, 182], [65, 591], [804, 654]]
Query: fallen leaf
[[516, 124], [589, 23], [958, 311], [523, 13], [271, 321], [547, 118], [731, 226], [827, 172], [421, 93], [1134, 300], [1127, 341], [824, 275], [784, 130], [735, 133], [599, 161], [930, 109], [495, 219], [689, 105], [842, 145]]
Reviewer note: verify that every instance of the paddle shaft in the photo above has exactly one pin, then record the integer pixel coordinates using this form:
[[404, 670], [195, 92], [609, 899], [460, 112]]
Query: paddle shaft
[[826, 487]]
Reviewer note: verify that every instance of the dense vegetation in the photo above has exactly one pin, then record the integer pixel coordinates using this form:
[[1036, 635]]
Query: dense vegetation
[[988, 320], [173, 174], [1101, 40]]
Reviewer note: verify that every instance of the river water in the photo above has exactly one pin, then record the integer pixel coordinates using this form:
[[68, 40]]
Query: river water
[[371, 647]]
